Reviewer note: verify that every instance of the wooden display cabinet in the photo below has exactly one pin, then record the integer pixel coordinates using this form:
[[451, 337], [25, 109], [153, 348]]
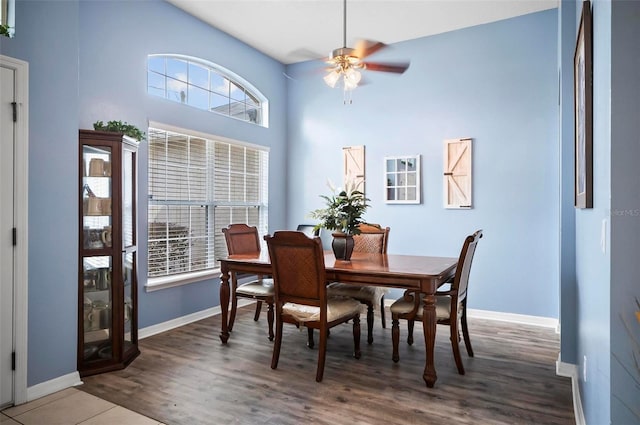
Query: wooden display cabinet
[[107, 276]]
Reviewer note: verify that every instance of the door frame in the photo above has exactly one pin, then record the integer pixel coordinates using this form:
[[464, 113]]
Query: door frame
[[21, 222]]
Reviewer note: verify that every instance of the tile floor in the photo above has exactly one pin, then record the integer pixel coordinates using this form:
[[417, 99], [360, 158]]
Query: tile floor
[[70, 407]]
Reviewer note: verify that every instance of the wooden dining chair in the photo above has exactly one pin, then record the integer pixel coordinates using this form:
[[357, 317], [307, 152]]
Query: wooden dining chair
[[372, 239], [301, 298], [243, 239], [451, 306]]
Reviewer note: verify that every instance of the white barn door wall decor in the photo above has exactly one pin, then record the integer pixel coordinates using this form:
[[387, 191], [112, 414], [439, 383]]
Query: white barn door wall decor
[[354, 166], [457, 173]]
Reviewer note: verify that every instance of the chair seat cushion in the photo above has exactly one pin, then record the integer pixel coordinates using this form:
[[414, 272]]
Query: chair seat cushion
[[256, 288], [368, 294], [443, 307], [337, 308]]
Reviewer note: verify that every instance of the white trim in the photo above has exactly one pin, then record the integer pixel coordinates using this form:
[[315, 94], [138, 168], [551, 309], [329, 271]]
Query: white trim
[[208, 136], [569, 370], [163, 282], [523, 319], [21, 214], [546, 322], [184, 320], [54, 385]]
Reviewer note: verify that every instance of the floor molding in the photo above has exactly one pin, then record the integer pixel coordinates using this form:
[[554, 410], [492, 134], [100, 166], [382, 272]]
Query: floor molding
[[183, 320], [54, 385], [569, 370], [546, 322]]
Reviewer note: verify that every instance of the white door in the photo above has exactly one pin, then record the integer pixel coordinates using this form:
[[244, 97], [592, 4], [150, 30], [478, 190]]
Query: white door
[[7, 140], [14, 228]]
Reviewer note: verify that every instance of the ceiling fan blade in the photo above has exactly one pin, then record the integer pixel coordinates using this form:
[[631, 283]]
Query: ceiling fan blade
[[365, 48], [396, 68]]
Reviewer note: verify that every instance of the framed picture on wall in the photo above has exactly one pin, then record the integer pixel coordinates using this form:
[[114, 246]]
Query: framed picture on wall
[[583, 104]]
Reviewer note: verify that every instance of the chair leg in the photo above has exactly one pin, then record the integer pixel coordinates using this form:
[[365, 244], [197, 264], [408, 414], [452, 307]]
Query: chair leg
[[270, 319], [276, 345], [232, 313], [322, 354], [455, 340], [465, 329], [383, 318], [310, 342], [356, 337], [395, 337], [410, 324], [258, 308], [370, 323]]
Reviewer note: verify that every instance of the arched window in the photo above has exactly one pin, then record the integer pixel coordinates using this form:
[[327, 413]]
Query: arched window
[[205, 85]]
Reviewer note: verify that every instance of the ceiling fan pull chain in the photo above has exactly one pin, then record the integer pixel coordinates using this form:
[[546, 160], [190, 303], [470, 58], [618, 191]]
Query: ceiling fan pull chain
[[346, 97]]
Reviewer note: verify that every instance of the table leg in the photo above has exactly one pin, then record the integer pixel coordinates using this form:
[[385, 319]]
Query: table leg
[[224, 303], [429, 326]]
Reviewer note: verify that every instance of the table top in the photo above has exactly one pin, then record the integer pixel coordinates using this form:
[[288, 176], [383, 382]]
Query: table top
[[386, 264]]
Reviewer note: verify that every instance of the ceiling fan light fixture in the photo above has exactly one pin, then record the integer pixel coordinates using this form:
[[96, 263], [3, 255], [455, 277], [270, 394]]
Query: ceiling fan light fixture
[[351, 78], [332, 78]]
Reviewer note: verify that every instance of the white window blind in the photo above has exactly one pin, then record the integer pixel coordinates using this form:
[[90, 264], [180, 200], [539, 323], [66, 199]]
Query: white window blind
[[197, 186]]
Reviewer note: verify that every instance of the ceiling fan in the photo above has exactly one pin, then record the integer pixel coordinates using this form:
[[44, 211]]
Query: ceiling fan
[[345, 63]]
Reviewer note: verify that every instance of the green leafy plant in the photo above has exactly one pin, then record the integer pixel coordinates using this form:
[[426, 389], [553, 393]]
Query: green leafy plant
[[120, 127], [344, 210], [4, 30]]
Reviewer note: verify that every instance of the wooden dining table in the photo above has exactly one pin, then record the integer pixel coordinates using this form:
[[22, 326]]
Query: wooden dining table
[[421, 273]]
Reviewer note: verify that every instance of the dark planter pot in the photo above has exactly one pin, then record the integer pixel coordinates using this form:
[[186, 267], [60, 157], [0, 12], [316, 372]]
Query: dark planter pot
[[342, 246]]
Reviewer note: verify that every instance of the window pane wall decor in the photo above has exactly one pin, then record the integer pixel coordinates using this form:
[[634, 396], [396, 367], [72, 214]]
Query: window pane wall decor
[[402, 179]]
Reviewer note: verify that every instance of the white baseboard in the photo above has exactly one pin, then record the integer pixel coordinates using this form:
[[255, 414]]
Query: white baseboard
[[546, 322], [569, 370], [184, 320], [54, 385]]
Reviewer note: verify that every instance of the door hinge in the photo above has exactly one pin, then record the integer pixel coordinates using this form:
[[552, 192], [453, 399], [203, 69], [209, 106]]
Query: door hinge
[[15, 236], [13, 360], [14, 105]]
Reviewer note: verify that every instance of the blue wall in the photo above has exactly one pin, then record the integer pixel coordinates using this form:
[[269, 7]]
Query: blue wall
[[496, 83], [47, 38], [592, 264], [607, 334], [113, 85], [568, 314], [625, 212], [87, 62]]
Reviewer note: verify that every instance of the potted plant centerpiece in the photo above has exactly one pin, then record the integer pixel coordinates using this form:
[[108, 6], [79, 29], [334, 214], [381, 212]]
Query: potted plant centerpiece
[[342, 215]]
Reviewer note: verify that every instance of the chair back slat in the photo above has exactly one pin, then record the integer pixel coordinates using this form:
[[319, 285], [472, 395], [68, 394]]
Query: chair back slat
[[372, 239], [297, 262], [241, 239], [461, 281]]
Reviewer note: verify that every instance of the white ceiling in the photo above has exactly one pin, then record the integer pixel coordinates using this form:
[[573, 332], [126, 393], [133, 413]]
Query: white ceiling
[[296, 30]]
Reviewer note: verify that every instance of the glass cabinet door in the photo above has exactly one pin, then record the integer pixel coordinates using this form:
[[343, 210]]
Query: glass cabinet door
[[98, 308], [129, 247], [97, 242]]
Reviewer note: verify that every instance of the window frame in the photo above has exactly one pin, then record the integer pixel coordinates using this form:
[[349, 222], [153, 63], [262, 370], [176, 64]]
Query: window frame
[[177, 279], [249, 90]]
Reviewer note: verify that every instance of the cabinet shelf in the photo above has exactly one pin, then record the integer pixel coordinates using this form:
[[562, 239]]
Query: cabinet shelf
[[107, 287]]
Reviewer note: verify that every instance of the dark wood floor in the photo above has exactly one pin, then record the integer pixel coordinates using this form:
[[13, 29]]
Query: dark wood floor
[[186, 376]]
